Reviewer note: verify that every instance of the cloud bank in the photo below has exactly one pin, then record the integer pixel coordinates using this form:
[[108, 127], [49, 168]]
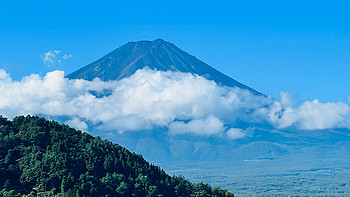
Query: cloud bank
[[182, 102]]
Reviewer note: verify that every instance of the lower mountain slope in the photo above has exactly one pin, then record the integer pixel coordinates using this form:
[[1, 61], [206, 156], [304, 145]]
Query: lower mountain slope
[[43, 158]]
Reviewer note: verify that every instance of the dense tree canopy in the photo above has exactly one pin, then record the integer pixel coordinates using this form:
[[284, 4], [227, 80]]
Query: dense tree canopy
[[44, 158]]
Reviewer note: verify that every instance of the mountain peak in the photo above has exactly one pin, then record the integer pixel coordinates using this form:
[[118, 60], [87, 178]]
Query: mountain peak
[[158, 40], [157, 54], [154, 42]]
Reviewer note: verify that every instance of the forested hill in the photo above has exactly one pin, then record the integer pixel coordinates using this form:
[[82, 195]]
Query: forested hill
[[44, 158]]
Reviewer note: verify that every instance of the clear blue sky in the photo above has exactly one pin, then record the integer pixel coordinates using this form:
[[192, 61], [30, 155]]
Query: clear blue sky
[[298, 46]]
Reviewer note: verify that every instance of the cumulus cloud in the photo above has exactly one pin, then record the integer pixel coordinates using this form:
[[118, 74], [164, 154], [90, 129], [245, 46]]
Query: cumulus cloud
[[236, 133], [126, 123], [77, 124], [53, 57], [207, 126], [182, 102], [315, 115]]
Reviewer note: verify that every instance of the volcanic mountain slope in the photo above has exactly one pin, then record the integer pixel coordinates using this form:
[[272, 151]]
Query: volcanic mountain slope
[[157, 54]]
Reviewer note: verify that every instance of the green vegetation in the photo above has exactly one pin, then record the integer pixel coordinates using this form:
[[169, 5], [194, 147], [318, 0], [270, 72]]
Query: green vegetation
[[43, 158]]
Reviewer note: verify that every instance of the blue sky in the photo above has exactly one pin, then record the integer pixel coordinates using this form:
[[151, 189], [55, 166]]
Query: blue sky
[[301, 47]]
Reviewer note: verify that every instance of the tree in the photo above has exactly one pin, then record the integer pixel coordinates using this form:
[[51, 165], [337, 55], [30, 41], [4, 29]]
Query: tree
[[7, 184], [45, 158]]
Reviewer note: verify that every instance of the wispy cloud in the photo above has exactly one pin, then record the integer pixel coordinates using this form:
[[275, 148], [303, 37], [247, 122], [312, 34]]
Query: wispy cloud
[[53, 57], [66, 56], [50, 58], [183, 102]]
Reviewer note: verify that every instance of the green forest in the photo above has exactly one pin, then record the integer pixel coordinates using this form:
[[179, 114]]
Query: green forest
[[44, 158]]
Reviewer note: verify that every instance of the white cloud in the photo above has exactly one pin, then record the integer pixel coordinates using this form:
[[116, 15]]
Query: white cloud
[[77, 124], [57, 52], [183, 102], [66, 56], [315, 115], [126, 123], [51, 58], [4, 76], [235, 133], [207, 127]]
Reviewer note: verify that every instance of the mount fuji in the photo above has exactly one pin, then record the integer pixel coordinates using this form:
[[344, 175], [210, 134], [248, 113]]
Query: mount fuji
[[157, 55]]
